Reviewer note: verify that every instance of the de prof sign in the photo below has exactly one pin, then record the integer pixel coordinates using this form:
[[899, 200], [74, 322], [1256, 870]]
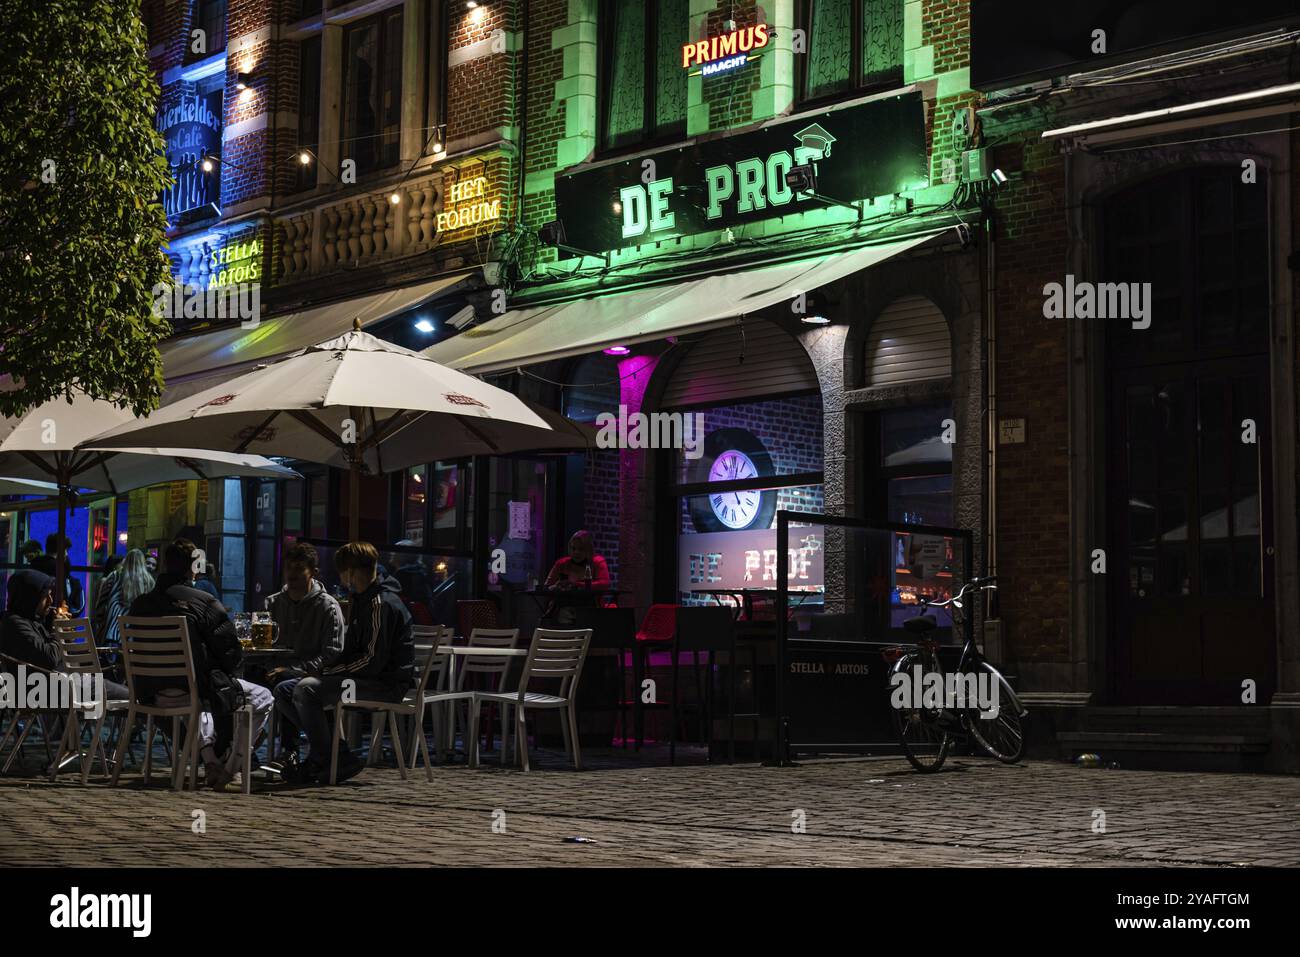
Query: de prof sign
[[873, 148]]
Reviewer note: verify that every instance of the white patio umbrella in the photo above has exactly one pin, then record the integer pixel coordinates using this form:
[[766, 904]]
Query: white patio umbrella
[[12, 486], [48, 445], [355, 402]]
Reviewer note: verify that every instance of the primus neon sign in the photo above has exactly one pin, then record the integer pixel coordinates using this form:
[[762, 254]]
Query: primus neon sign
[[469, 208], [726, 52]]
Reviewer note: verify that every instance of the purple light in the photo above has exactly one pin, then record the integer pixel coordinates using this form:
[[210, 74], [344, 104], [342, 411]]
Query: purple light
[[617, 351]]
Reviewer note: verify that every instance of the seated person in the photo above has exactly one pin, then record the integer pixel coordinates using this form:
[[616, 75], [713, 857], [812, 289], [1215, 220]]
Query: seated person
[[26, 638], [582, 568], [74, 594], [217, 656], [377, 662], [311, 623]]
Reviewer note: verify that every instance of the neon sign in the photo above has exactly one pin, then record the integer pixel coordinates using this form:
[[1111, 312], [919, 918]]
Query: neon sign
[[727, 52], [469, 208]]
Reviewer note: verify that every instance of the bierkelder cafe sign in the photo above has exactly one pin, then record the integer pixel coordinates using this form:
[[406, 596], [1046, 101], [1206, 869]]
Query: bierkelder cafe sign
[[860, 151]]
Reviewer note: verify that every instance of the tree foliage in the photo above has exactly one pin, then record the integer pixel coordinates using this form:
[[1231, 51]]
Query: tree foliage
[[81, 225]]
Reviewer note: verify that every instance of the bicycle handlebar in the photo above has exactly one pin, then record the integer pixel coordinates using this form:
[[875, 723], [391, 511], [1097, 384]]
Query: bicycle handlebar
[[974, 583]]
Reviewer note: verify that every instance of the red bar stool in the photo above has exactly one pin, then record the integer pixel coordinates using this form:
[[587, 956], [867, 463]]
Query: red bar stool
[[658, 632]]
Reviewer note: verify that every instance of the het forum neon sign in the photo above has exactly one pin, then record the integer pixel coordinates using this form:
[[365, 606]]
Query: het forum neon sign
[[729, 51]]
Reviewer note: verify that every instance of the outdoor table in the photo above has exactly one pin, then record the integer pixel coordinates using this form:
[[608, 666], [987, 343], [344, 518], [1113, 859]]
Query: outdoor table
[[458, 650], [578, 595]]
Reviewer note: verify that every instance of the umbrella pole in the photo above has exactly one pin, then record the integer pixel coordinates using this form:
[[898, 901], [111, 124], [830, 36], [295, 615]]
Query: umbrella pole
[[354, 502], [61, 552]]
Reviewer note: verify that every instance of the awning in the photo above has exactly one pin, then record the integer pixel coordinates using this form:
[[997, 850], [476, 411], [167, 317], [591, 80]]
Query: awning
[[195, 362], [537, 334]]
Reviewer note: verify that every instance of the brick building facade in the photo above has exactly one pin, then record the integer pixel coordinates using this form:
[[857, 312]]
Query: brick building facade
[[536, 106]]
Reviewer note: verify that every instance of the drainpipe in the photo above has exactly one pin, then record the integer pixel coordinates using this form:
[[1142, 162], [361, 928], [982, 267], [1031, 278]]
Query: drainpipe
[[521, 90], [991, 401]]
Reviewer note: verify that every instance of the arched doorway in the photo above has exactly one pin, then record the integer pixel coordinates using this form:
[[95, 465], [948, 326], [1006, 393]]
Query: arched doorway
[[1188, 442]]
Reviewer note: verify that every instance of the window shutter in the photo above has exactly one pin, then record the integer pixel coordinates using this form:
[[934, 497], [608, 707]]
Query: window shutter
[[775, 364], [909, 342]]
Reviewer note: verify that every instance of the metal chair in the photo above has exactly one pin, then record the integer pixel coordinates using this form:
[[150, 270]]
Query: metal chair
[[554, 655], [27, 718], [81, 660], [657, 633]]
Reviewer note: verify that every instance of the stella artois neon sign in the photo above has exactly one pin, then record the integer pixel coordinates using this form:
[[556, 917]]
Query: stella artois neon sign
[[728, 51]]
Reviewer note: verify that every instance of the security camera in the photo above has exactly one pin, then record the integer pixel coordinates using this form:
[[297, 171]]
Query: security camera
[[999, 178]]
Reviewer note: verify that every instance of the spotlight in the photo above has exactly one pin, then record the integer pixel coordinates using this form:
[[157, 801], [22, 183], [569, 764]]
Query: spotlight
[[815, 320], [801, 179], [618, 207], [999, 178], [552, 234], [243, 80], [617, 351], [963, 234], [424, 325]]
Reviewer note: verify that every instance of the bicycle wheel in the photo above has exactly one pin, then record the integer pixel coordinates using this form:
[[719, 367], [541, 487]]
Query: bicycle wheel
[[1003, 736], [925, 741]]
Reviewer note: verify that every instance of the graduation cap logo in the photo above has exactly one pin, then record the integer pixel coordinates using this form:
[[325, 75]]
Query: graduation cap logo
[[816, 137]]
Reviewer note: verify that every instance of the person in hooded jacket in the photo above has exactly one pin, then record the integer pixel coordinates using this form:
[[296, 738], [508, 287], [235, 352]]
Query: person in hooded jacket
[[378, 658], [25, 635], [311, 624], [217, 657]]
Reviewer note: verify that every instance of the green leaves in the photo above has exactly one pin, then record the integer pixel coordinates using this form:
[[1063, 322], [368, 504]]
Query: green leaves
[[79, 255]]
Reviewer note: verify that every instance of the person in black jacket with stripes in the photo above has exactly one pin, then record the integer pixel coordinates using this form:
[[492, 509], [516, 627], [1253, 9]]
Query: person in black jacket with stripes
[[377, 663]]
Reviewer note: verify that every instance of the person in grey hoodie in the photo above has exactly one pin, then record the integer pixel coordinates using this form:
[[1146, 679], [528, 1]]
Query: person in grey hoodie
[[311, 623]]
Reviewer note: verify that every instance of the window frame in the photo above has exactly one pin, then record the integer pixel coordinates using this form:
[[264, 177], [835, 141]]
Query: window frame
[[379, 21], [650, 135], [857, 85]]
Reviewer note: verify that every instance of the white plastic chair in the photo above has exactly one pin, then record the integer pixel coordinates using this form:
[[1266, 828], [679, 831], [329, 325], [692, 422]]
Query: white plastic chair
[[437, 695], [489, 665], [160, 648], [553, 655], [411, 707], [81, 660]]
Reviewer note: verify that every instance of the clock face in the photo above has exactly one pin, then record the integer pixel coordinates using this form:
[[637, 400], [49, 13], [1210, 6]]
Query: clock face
[[734, 509]]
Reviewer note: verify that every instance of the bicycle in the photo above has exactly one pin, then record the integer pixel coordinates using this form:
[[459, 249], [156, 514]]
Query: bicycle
[[927, 733]]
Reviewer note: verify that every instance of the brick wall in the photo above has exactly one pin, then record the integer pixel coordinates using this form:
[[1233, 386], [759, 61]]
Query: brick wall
[[1033, 478]]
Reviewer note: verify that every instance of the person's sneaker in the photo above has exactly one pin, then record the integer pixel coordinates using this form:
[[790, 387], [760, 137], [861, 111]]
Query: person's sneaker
[[216, 776], [349, 766], [235, 785], [287, 765], [310, 772]]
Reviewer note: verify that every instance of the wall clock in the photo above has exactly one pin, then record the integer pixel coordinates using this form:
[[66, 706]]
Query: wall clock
[[732, 455]]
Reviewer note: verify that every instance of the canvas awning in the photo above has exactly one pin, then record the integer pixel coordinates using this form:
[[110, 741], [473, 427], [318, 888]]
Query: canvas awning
[[563, 330], [194, 363]]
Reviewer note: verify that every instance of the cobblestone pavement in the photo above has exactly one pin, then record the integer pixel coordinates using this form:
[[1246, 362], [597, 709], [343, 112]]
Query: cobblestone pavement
[[641, 811]]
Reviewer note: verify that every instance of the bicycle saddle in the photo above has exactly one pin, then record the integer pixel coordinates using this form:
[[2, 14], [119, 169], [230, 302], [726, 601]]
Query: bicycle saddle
[[922, 624]]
